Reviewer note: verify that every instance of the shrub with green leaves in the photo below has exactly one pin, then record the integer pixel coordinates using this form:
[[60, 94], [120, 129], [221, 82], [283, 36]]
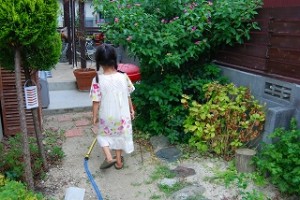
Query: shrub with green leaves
[[11, 158], [281, 159], [232, 178], [32, 25], [167, 34], [158, 103], [228, 118], [16, 190], [174, 41]]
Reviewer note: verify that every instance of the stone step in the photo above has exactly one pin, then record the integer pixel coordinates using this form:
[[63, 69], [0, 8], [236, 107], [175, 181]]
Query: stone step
[[65, 85], [64, 101]]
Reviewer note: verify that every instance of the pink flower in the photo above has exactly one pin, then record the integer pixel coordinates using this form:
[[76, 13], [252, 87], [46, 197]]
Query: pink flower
[[197, 42], [129, 38], [116, 20], [194, 28]]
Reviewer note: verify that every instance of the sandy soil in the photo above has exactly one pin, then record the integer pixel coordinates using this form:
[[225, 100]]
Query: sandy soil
[[133, 181]]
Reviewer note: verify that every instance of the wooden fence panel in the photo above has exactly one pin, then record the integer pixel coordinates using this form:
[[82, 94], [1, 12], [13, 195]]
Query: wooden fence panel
[[9, 105], [273, 51]]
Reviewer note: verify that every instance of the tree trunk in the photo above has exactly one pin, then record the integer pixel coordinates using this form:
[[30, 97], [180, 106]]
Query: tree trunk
[[20, 99], [82, 35], [37, 127], [39, 138], [243, 159], [67, 14]]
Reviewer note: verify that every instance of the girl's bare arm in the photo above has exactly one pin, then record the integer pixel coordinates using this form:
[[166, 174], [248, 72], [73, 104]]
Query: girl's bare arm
[[95, 111], [131, 108]]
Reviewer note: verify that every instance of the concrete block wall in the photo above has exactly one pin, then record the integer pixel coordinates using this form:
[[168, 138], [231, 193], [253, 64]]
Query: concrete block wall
[[282, 99]]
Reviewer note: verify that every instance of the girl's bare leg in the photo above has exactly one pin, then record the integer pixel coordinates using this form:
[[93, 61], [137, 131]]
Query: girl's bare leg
[[107, 153], [119, 163]]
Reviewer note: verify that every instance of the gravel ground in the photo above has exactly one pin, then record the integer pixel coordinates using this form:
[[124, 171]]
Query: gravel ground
[[133, 182]]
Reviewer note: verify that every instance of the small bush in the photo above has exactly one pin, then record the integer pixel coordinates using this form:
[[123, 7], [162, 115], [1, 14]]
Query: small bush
[[159, 110], [12, 164], [172, 40], [10, 189], [228, 118], [161, 172], [231, 178], [281, 160]]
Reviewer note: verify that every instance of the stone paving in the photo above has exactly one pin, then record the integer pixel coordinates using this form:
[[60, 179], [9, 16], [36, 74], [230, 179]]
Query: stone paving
[[74, 124]]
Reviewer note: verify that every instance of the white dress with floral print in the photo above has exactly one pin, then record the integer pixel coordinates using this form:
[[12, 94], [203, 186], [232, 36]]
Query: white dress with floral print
[[115, 128]]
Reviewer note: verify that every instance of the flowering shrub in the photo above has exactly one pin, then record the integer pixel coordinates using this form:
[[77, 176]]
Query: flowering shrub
[[173, 41], [170, 33]]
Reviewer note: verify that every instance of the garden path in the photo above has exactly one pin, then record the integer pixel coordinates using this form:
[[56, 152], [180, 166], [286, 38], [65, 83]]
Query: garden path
[[135, 180]]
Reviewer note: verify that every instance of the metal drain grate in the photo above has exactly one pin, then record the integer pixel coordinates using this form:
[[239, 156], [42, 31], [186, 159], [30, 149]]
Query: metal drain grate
[[278, 91]]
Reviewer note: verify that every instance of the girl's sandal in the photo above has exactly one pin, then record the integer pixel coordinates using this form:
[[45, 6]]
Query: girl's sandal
[[122, 158], [118, 168], [107, 164]]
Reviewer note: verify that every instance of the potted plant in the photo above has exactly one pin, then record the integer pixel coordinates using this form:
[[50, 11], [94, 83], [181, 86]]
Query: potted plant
[[83, 75]]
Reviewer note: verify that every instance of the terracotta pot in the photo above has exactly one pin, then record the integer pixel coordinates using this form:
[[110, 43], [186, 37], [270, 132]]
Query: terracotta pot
[[84, 78]]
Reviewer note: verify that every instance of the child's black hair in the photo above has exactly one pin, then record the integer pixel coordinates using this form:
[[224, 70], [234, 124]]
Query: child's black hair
[[106, 55]]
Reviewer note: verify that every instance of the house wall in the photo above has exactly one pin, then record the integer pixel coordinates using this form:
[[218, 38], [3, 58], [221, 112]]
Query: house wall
[[273, 50], [280, 3], [269, 64]]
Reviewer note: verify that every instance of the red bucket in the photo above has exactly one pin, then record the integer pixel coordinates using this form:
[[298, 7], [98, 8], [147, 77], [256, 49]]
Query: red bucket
[[131, 70]]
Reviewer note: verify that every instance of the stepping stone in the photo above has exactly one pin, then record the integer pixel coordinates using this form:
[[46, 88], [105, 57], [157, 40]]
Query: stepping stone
[[159, 142], [190, 192], [183, 172], [169, 154], [74, 193], [82, 122], [170, 182], [74, 132]]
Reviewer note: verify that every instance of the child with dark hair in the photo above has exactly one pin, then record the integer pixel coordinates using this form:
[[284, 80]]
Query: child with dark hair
[[112, 107]]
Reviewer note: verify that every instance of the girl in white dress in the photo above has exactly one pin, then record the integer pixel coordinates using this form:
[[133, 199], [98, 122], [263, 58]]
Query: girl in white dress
[[112, 107]]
